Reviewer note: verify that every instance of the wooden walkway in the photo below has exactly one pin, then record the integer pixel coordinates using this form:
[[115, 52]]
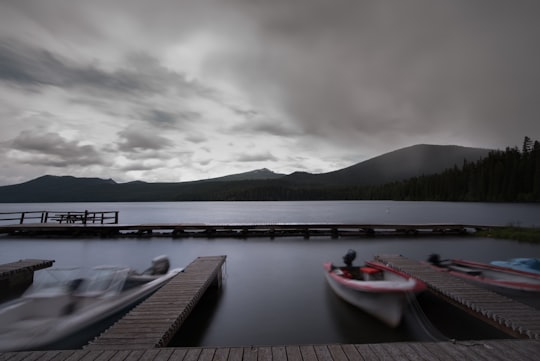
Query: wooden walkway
[[305, 230], [154, 322], [143, 334], [24, 265], [512, 317], [16, 276], [493, 350]]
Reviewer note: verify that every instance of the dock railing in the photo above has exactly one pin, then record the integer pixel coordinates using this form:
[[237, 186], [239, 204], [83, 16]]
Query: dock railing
[[60, 217]]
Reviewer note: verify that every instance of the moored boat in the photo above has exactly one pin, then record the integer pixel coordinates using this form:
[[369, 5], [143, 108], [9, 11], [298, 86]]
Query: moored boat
[[374, 287], [531, 265], [60, 303], [488, 274]]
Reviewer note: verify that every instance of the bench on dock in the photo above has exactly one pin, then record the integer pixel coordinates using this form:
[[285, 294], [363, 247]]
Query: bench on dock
[[60, 217]]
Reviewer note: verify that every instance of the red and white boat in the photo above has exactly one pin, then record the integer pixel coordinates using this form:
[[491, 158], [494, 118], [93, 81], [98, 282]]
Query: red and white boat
[[374, 287], [488, 274]]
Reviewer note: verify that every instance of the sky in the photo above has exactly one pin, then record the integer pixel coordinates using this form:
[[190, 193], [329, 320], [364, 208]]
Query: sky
[[182, 90]]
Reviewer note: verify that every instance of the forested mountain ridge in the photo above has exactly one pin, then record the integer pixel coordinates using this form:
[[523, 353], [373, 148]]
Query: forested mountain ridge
[[448, 173], [397, 165], [512, 175]]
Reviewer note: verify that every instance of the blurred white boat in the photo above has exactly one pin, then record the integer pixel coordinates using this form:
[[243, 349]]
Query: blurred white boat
[[60, 303]]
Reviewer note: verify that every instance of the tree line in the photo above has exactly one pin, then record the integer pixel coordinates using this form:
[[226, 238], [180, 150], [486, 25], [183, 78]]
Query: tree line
[[512, 175]]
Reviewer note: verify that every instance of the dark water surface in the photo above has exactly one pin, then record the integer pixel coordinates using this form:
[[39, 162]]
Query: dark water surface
[[274, 291]]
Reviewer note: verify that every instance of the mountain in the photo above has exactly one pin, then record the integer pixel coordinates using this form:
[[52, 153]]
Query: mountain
[[258, 174], [261, 184], [422, 159]]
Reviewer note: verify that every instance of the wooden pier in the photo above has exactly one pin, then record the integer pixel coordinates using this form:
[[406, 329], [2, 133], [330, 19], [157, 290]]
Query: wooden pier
[[154, 322], [17, 276], [496, 350], [305, 230], [512, 317], [144, 333]]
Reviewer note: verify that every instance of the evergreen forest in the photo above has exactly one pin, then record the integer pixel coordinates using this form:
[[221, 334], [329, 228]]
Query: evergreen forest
[[512, 175]]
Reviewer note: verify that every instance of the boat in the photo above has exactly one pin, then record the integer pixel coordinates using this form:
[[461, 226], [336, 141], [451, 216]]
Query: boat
[[374, 287], [488, 274], [60, 303], [531, 265]]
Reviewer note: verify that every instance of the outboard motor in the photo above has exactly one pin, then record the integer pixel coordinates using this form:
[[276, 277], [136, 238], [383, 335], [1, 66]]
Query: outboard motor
[[349, 257], [160, 266], [434, 259]]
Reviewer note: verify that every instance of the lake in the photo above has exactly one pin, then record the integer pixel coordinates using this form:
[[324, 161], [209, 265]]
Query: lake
[[274, 290]]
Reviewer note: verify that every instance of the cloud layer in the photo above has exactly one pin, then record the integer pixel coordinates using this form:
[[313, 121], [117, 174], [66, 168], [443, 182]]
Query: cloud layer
[[184, 90]]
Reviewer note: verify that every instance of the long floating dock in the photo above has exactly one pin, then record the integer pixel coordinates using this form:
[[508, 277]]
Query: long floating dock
[[305, 230], [511, 317], [154, 322], [497, 350]]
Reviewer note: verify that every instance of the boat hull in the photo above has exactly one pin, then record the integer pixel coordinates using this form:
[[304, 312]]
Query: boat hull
[[384, 300], [386, 307], [531, 265], [492, 275]]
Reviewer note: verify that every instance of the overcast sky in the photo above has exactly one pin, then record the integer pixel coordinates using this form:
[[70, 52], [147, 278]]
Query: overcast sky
[[182, 90]]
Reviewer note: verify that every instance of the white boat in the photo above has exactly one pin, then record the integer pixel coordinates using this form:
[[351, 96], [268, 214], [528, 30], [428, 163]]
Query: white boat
[[488, 274], [375, 288], [531, 265], [60, 303]]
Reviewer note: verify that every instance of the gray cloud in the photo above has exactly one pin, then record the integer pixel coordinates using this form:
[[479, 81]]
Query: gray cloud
[[371, 68], [196, 138], [139, 141], [256, 157], [162, 119], [53, 150], [25, 65], [165, 119], [336, 81]]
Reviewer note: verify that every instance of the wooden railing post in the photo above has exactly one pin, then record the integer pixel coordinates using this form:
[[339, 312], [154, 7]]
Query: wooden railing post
[[85, 216], [22, 218], [116, 217]]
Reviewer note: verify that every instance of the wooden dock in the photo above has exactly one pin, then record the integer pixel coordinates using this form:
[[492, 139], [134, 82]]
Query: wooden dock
[[16, 276], [154, 322], [144, 333], [512, 317], [496, 350], [306, 230]]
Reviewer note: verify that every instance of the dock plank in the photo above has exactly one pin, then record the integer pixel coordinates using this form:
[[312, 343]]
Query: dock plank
[[293, 353], [482, 350]]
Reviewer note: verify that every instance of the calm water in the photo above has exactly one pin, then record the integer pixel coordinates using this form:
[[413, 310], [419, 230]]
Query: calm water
[[274, 290]]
